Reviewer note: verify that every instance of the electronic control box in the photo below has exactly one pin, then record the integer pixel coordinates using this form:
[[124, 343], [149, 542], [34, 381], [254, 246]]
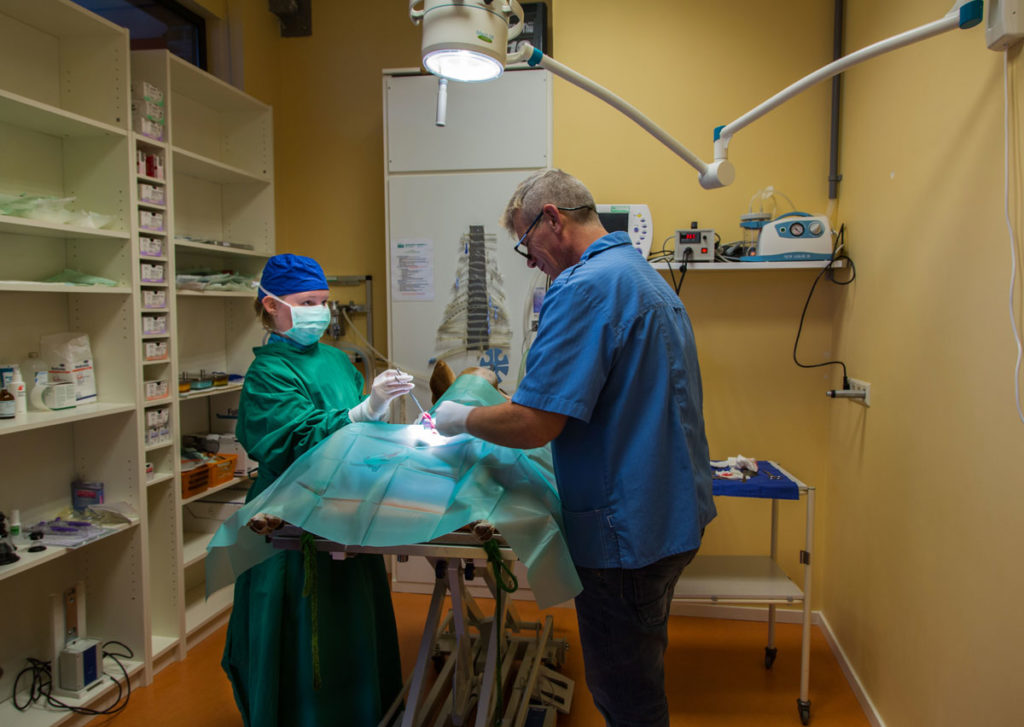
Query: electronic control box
[[695, 246], [81, 664]]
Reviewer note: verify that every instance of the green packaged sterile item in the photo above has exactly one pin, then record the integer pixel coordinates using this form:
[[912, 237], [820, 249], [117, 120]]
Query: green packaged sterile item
[[76, 277], [376, 484]]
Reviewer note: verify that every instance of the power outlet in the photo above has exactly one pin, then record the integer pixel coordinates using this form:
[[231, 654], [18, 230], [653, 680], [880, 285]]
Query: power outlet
[[858, 385]]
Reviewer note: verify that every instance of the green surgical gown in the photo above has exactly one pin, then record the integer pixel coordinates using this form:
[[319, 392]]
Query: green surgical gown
[[292, 399]]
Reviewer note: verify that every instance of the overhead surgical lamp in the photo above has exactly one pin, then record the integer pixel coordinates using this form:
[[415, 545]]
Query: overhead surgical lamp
[[466, 40]]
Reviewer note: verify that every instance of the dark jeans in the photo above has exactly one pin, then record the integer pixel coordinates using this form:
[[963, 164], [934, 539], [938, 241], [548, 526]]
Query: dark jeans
[[623, 620]]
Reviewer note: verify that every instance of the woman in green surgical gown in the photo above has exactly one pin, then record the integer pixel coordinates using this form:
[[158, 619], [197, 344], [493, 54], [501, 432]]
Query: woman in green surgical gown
[[298, 391]]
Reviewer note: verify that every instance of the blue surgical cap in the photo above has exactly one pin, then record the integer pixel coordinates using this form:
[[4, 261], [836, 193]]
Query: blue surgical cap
[[286, 274]]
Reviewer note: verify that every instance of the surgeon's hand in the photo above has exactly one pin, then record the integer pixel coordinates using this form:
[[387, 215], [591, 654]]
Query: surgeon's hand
[[386, 386], [450, 418]]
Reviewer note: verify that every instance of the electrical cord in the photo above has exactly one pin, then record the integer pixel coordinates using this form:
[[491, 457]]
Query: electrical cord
[[1013, 237], [837, 256], [42, 685]]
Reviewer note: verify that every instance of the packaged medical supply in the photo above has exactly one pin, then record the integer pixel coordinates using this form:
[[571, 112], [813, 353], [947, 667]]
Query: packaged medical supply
[[52, 396], [152, 272], [154, 166], [149, 220], [7, 373], [155, 390], [155, 350], [151, 246], [154, 298], [148, 127], [151, 193], [154, 325], [148, 110], [70, 358], [145, 91], [85, 494]]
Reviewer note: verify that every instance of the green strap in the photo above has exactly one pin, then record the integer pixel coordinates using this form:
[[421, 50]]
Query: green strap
[[506, 582], [311, 591]]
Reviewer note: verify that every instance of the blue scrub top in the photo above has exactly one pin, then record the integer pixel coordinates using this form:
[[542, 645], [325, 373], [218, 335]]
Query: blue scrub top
[[615, 352]]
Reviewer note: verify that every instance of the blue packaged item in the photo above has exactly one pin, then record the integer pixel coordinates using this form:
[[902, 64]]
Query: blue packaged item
[[86, 494]]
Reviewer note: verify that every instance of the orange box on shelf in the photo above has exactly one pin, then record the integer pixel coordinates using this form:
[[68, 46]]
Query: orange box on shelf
[[223, 469], [195, 480]]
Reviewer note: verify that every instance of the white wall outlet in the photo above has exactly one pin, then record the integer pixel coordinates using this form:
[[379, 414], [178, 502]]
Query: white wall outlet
[[1004, 25], [858, 385]]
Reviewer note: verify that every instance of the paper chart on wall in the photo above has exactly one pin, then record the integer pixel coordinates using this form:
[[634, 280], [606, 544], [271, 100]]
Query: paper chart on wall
[[412, 269]]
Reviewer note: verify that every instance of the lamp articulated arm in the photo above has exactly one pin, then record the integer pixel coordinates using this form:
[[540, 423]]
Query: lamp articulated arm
[[717, 174], [720, 173]]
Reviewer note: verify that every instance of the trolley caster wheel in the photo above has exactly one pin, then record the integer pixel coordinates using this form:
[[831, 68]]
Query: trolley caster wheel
[[805, 711], [769, 658]]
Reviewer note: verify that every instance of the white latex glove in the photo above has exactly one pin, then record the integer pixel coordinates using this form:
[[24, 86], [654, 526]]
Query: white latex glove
[[386, 386], [450, 418]]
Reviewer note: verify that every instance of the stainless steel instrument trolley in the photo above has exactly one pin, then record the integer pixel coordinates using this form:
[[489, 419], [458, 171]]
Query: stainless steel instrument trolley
[[758, 579]]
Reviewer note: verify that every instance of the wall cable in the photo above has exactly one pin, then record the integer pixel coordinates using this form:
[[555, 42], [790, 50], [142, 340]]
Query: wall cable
[[1009, 227]]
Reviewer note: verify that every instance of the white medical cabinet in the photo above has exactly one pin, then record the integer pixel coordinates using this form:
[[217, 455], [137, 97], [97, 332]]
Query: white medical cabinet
[[757, 579]]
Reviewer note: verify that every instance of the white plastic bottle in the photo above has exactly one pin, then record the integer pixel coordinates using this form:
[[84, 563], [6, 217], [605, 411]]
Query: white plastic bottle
[[18, 390], [35, 372]]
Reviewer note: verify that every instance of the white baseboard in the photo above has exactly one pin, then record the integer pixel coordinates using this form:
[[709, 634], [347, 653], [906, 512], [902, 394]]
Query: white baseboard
[[851, 676]]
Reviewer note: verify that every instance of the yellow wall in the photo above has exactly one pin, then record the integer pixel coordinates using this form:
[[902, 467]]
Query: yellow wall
[[919, 496], [691, 66], [923, 528]]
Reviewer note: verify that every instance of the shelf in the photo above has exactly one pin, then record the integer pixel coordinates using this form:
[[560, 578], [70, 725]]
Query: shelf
[[193, 546], [28, 114], [721, 267], [219, 249], [250, 294], [161, 445], [24, 226], [39, 715], [31, 560], [212, 391], [159, 477], [162, 644], [149, 141], [215, 488], [157, 362], [30, 287], [152, 206], [194, 165], [199, 611], [146, 177], [749, 578], [41, 419]]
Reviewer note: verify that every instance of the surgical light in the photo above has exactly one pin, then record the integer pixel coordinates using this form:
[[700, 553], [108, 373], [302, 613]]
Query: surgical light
[[479, 28], [465, 40]]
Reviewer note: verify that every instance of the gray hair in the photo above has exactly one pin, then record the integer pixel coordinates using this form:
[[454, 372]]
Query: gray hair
[[549, 186]]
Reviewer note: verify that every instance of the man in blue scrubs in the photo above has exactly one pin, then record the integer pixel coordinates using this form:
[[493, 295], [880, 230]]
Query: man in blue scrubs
[[612, 380]]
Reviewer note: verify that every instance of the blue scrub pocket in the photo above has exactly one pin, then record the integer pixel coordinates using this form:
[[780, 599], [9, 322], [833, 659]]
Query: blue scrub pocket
[[591, 536]]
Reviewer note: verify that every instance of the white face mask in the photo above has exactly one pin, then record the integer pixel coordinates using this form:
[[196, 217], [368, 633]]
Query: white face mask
[[308, 321]]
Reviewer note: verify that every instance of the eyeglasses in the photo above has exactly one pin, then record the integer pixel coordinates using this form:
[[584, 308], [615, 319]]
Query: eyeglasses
[[522, 240]]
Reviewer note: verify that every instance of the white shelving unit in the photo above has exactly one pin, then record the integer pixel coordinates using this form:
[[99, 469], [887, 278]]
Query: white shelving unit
[[220, 188], [65, 131]]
